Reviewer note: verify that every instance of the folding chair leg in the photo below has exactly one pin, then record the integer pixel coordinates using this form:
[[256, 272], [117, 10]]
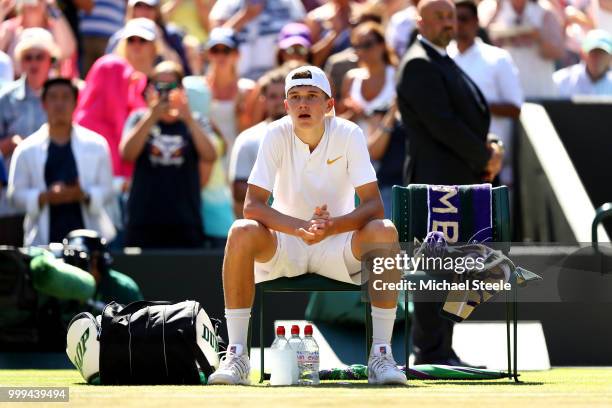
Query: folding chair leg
[[261, 336], [515, 315], [508, 346], [406, 330]]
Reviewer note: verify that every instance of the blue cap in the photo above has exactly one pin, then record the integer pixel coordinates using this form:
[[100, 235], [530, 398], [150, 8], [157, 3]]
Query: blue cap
[[597, 39], [223, 36]]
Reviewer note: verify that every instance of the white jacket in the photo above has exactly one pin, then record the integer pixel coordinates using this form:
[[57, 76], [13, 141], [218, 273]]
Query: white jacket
[[27, 181]]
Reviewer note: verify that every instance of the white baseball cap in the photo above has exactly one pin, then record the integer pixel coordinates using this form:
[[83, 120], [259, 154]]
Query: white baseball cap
[[308, 76], [152, 3], [140, 27]]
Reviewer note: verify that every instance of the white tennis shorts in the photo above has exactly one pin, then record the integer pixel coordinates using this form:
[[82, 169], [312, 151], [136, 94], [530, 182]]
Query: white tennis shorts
[[332, 258]]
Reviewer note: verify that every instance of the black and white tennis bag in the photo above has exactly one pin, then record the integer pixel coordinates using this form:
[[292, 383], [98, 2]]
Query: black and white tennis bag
[[144, 343]]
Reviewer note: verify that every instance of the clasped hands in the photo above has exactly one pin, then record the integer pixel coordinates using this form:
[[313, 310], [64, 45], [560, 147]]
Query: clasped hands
[[318, 227], [61, 193]]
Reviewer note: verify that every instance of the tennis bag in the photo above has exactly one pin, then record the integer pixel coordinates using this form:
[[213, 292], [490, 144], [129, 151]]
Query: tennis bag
[[145, 343]]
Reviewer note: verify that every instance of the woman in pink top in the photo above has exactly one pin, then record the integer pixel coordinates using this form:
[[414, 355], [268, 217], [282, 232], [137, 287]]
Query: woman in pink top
[[113, 89]]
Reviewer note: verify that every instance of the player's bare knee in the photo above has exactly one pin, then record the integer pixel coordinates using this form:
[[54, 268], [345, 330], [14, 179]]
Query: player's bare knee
[[381, 231], [243, 235]]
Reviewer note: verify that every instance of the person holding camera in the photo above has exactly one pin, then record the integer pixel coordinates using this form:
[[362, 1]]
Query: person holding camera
[[166, 143]]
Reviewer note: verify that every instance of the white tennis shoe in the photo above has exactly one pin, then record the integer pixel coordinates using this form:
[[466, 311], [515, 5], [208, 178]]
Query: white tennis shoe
[[382, 368], [234, 368]]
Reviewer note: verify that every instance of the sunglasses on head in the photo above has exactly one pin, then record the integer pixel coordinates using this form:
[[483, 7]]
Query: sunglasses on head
[[39, 57], [297, 50], [220, 49], [366, 45], [134, 39]]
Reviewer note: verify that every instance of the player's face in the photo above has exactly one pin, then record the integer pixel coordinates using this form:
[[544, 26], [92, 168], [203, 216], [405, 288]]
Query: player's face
[[307, 106]]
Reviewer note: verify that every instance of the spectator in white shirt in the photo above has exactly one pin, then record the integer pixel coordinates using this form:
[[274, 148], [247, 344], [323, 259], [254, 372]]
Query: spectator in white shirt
[[592, 76], [61, 175], [493, 70]]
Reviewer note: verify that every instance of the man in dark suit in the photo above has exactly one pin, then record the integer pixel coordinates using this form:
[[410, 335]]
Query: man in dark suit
[[447, 121]]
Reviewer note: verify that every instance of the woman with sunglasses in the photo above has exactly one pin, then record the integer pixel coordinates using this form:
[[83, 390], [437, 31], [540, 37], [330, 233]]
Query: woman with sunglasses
[[233, 98], [141, 45], [103, 108], [170, 37], [369, 90]]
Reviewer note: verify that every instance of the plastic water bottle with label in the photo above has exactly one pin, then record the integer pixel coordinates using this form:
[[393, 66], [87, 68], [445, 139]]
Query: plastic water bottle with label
[[296, 344], [309, 373]]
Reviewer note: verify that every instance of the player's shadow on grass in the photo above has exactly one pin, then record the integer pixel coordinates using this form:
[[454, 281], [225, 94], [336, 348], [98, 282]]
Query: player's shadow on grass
[[468, 382]]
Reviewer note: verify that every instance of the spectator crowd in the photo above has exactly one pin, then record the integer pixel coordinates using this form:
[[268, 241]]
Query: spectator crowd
[[142, 119]]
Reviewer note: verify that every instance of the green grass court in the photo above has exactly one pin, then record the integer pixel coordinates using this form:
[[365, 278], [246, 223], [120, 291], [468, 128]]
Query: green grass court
[[560, 387]]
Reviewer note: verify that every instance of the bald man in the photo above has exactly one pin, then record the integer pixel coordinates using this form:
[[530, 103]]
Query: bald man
[[446, 120]]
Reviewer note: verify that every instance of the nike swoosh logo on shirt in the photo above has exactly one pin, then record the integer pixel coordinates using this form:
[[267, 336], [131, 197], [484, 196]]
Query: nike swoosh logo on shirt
[[334, 160]]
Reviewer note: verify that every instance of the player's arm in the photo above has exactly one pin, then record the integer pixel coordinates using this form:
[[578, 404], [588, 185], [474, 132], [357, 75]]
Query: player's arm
[[256, 208], [370, 208]]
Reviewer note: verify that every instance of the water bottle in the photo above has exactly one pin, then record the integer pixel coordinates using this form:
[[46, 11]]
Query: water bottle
[[280, 342], [309, 375], [296, 344], [281, 359]]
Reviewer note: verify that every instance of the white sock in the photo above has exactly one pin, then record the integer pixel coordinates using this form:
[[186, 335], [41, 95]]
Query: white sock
[[382, 325], [238, 325]]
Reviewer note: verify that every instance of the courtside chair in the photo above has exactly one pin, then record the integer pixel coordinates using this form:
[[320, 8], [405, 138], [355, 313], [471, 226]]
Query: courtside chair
[[305, 283], [409, 213]]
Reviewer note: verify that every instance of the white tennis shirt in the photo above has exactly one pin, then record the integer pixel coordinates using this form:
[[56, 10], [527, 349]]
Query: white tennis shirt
[[301, 180]]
